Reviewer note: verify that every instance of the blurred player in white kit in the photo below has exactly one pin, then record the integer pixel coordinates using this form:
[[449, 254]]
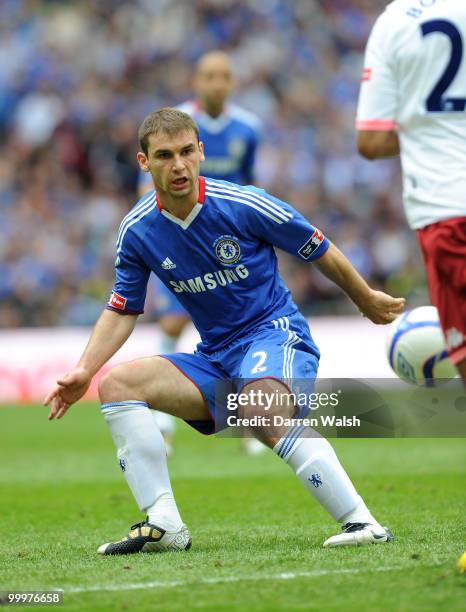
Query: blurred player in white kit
[[413, 102]]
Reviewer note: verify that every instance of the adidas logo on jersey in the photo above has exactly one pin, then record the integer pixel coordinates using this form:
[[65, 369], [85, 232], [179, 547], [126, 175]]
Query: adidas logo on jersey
[[167, 264]]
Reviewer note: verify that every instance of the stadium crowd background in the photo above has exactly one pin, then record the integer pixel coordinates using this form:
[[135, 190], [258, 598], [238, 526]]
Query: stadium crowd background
[[77, 78]]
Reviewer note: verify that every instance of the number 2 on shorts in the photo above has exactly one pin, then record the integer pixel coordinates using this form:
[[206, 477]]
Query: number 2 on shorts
[[261, 356]]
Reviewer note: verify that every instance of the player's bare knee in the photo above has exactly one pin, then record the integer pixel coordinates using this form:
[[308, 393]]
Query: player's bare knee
[[114, 386], [269, 405]]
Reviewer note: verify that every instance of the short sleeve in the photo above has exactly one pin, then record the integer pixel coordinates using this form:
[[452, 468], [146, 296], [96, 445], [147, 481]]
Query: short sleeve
[[378, 97], [131, 278], [279, 224]]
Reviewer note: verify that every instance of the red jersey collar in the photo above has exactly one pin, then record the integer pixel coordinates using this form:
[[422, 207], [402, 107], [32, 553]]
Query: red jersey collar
[[200, 198]]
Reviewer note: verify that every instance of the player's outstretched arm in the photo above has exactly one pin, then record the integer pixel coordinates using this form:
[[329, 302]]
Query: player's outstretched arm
[[110, 333], [377, 306]]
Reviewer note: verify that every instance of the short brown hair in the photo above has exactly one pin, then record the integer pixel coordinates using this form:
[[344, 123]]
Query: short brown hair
[[170, 121]]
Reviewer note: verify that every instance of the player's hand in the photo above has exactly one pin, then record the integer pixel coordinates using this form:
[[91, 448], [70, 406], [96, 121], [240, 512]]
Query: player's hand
[[382, 308], [70, 388]]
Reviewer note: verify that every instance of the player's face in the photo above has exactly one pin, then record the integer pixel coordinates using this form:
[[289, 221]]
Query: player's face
[[214, 82], [173, 162]]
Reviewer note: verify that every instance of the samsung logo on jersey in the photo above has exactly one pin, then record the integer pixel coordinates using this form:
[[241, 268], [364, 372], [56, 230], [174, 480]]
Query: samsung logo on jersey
[[211, 280]]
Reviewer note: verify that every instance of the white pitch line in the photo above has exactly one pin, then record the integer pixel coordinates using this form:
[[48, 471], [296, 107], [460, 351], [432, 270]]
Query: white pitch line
[[169, 584]]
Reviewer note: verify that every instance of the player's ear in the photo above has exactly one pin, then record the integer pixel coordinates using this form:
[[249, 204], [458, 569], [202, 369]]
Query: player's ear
[[201, 150], [142, 160]]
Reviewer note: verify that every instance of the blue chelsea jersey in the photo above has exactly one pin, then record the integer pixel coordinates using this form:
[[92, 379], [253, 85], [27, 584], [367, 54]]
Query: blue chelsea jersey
[[219, 262]]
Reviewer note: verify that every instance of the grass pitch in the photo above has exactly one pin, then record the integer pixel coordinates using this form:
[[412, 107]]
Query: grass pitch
[[257, 535]]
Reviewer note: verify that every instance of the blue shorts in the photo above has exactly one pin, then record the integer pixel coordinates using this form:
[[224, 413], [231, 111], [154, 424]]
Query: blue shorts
[[281, 349], [163, 300]]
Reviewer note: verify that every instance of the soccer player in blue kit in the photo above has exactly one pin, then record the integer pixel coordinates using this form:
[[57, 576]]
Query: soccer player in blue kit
[[220, 238], [230, 135]]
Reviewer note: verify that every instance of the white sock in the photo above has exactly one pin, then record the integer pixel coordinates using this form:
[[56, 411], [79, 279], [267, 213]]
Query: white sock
[[315, 463], [143, 459]]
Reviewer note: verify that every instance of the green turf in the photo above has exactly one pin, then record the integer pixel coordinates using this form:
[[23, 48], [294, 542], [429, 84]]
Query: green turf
[[256, 534]]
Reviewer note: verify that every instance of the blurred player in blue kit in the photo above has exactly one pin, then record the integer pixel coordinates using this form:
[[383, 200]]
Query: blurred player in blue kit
[[220, 237], [230, 136]]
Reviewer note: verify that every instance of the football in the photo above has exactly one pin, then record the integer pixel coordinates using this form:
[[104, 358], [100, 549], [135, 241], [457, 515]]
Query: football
[[416, 347]]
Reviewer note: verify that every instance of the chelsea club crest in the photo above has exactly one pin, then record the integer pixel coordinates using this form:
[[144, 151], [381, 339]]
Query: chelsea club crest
[[227, 249]]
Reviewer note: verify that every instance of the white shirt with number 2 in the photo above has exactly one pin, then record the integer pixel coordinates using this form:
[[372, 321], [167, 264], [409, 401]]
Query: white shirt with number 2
[[414, 80]]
